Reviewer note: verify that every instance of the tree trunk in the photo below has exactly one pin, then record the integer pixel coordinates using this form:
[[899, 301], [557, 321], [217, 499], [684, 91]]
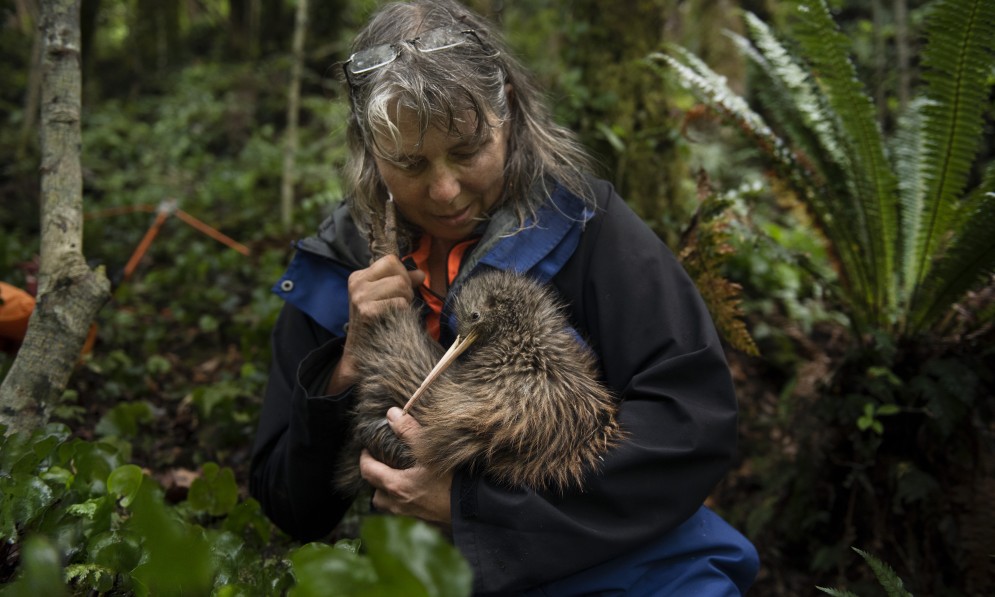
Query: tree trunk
[[69, 293], [293, 107]]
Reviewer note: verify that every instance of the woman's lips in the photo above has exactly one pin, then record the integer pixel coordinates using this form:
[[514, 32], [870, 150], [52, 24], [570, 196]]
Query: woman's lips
[[457, 219]]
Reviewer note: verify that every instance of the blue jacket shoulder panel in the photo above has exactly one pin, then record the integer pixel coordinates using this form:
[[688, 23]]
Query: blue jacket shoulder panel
[[319, 287], [546, 242], [317, 283]]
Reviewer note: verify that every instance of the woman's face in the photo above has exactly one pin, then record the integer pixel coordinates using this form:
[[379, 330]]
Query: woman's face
[[445, 182]]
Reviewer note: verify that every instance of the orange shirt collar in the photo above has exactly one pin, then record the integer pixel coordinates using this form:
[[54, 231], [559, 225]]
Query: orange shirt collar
[[453, 261]]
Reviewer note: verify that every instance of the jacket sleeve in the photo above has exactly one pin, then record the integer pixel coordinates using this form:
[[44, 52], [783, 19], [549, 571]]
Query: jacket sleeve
[[300, 431], [660, 353]]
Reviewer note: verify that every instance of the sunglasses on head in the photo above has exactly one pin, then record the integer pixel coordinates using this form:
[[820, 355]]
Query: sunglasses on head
[[432, 40]]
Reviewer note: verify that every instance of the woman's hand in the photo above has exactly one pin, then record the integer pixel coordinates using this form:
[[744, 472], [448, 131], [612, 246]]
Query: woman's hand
[[372, 290], [417, 491]]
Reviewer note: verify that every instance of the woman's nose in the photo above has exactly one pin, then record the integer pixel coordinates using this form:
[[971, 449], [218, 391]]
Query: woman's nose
[[444, 186]]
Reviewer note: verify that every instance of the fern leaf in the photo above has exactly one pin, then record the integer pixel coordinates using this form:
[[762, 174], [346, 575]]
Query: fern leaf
[[711, 87], [703, 250], [812, 125], [969, 262], [891, 582], [837, 592], [956, 61], [873, 184], [906, 153], [799, 92]]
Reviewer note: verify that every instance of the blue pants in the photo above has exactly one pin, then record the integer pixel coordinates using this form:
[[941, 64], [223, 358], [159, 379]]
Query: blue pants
[[703, 557]]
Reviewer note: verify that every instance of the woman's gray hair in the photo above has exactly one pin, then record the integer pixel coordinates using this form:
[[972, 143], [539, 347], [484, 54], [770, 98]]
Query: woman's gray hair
[[441, 87]]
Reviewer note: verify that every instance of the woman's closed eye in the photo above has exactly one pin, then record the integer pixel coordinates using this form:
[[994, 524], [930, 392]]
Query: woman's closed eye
[[410, 165], [464, 156], [469, 152]]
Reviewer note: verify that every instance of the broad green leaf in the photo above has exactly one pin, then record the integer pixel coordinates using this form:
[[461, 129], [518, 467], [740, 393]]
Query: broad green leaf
[[158, 365], [118, 552], [25, 454], [215, 491], [27, 498], [124, 419], [247, 521], [41, 571], [93, 463], [124, 482], [322, 570], [177, 556], [403, 548]]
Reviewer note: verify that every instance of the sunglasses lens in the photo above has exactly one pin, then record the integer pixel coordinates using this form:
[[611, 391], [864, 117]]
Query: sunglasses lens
[[440, 39], [371, 58]]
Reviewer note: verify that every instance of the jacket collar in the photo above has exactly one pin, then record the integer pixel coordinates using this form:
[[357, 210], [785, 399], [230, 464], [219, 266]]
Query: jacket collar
[[315, 281]]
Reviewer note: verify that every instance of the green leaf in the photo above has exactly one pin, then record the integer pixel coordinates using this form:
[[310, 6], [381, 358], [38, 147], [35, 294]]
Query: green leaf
[[888, 409], [41, 570], [215, 491], [158, 365], [247, 520], [403, 549], [322, 569], [350, 545], [117, 552], [798, 105], [91, 508], [968, 263], [207, 323], [837, 592], [873, 198], [25, 453], [891, 582], [123, 420], [24, 500], [124, 482], [177, 555], [92, 576], [957, 61]]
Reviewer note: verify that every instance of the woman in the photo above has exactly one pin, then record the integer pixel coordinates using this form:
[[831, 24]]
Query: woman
[[446, 122]]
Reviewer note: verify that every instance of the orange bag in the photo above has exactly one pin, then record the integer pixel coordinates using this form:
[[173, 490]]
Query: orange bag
[[16, 306]]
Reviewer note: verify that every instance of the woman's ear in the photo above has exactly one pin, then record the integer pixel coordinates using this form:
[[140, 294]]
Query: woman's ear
[[509, 92]]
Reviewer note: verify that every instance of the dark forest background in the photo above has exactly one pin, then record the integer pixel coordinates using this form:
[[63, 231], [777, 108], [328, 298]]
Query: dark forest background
[[854, 433]]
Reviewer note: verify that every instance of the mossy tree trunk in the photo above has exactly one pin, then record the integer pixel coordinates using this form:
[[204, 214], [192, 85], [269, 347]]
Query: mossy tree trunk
[[293, 110], [69, 293], [630, 122]]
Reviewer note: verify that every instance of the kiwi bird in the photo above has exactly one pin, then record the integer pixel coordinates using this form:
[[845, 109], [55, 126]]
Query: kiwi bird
[[516, 398]]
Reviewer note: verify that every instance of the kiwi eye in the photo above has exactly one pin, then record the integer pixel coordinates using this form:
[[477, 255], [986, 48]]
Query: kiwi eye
[[475, 316]]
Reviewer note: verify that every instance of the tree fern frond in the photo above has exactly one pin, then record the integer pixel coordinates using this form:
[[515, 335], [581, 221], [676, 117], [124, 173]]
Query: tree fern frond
[[969, 261], [837, 592], [847, 248], [957, 60], [889, 580], [711, 88], [800, 93], [873, 182], [977, 196], [906, 152], [812, 126]]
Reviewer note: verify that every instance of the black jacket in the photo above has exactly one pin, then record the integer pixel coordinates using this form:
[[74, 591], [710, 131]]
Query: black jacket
[[630, 299]]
